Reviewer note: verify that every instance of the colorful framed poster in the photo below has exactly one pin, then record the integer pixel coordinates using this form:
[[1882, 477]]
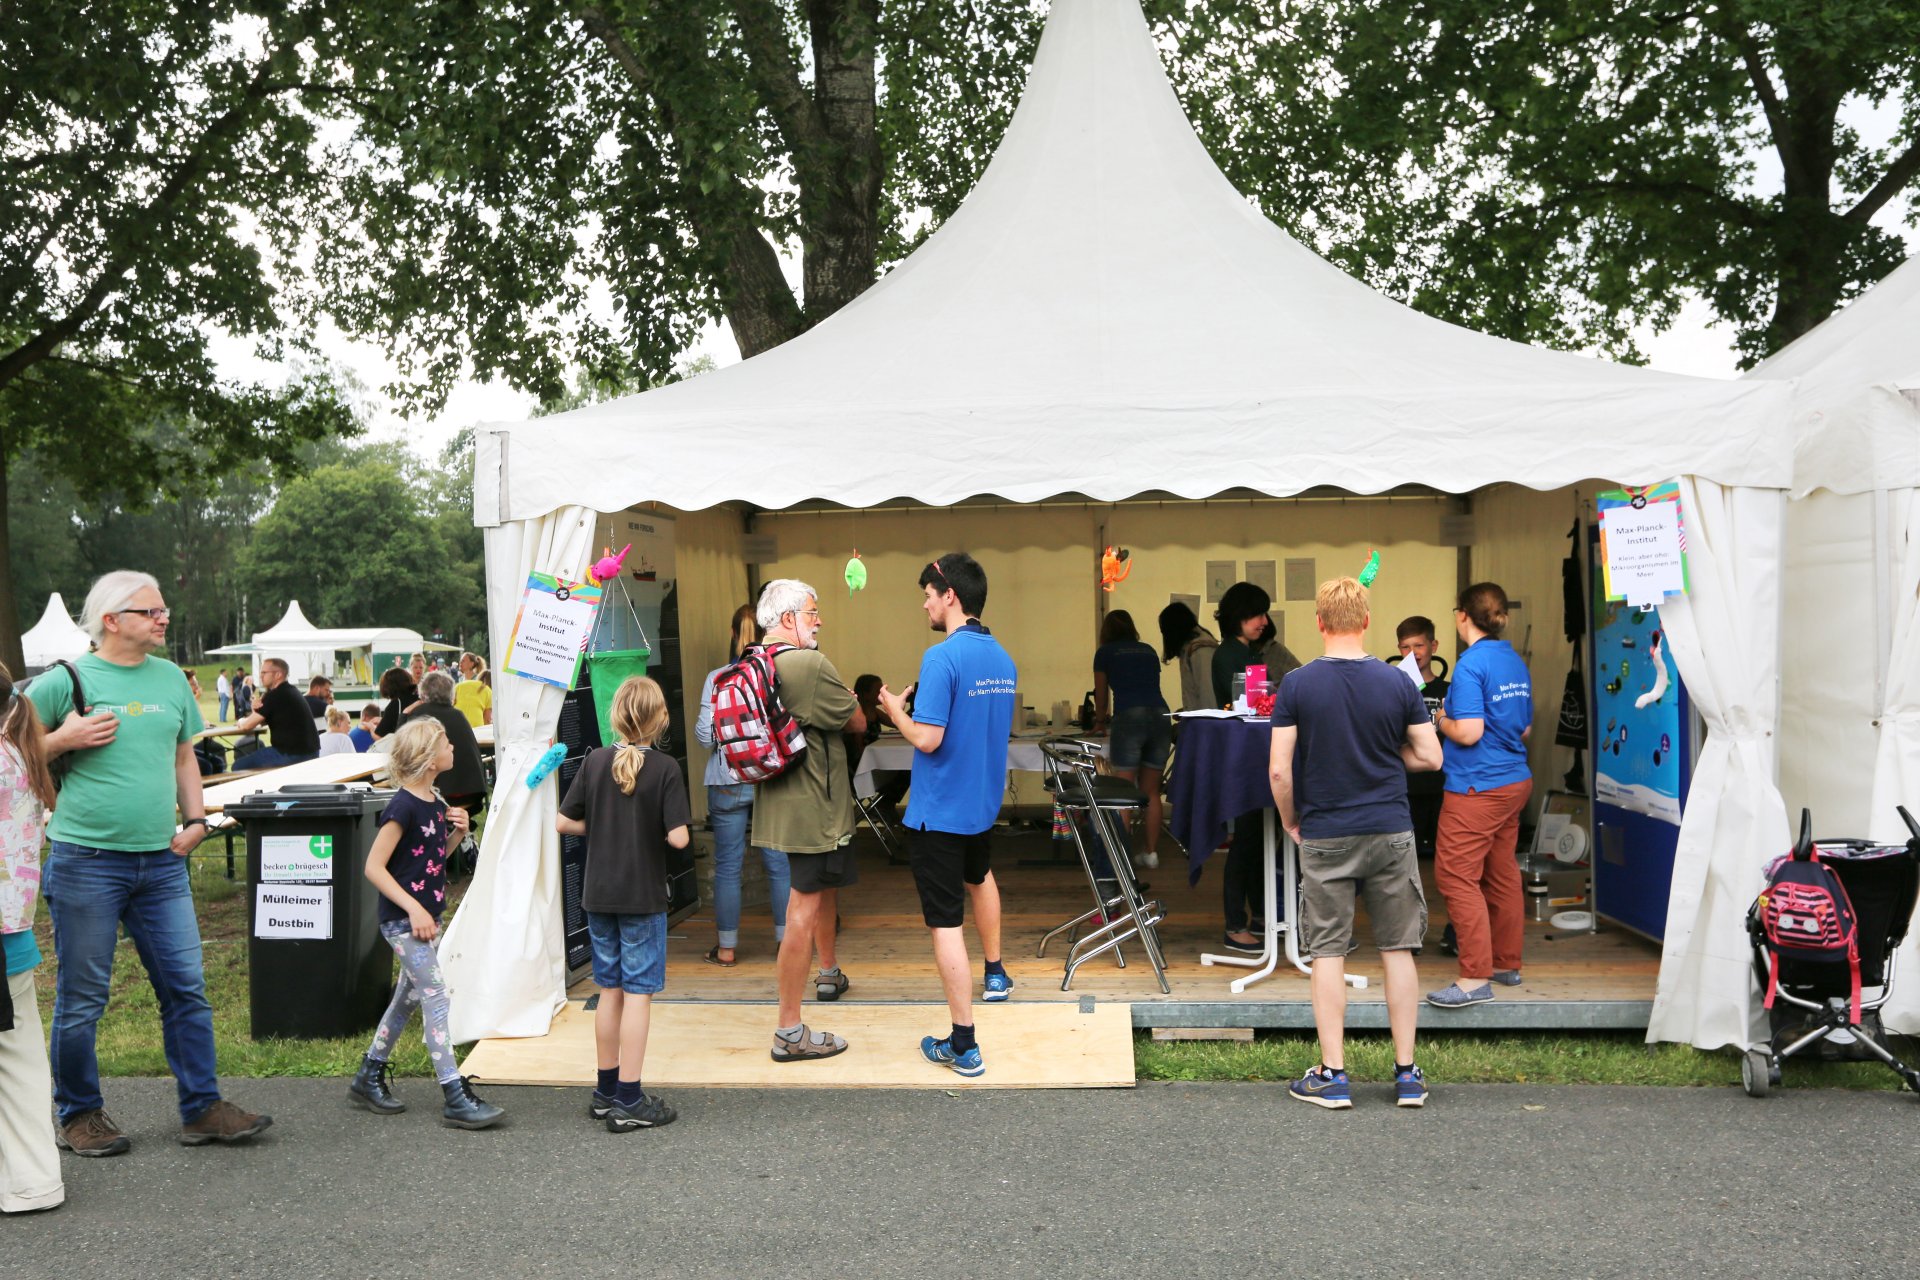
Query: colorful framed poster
[[550, 632], [1643, 544]]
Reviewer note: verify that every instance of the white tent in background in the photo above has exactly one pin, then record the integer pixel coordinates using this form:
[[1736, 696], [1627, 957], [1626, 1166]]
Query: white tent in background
[[1850, 688], [54, 637], [1107, 316], [342, 654]]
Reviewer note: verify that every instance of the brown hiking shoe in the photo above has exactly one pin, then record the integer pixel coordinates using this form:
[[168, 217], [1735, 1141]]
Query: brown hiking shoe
[[91, 1133], [223, 1122]]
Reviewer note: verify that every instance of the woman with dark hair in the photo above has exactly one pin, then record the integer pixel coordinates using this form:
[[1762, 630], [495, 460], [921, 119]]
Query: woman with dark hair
[[464, 785], [401, 691], [1183, 638], [1484, 725], [1246, 638], [729, 808], [1126, 672]]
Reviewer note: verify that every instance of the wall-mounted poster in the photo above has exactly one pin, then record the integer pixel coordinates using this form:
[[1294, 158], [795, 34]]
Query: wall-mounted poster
[[1637, 714]]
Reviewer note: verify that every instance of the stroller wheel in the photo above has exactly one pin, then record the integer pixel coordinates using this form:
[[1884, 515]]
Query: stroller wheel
[[1757, 1073]]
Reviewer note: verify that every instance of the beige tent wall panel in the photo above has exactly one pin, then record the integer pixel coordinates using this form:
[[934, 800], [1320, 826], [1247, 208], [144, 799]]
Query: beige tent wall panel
[[712, 584], [1827, 662], [1521, 538], [1040, 573], [1172, 544]]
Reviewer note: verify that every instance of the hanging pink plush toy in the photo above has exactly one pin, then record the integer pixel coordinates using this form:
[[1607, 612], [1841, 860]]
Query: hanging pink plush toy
[[607, 567]]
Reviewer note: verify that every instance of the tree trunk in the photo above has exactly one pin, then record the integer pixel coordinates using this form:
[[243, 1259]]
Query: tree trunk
[[840, 229], [1811, 238], [10, 651]]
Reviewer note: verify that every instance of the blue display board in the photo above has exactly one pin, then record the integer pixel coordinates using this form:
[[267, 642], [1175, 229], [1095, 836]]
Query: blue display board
[[1641, 726]]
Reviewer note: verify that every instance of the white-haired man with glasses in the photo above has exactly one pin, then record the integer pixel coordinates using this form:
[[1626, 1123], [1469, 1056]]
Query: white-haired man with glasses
[[117, 858], [807, 812]]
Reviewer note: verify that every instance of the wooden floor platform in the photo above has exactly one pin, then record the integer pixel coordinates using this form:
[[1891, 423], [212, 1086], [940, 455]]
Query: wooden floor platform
[[1572, 981], [690, 1044]]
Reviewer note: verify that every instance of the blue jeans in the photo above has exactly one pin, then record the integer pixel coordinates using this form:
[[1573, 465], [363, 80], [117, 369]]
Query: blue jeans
[[729, 810], [268, 758], [225, 698], [90, 893]]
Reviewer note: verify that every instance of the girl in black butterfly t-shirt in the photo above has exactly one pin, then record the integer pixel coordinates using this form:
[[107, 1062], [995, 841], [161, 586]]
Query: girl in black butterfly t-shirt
[[408, 865]]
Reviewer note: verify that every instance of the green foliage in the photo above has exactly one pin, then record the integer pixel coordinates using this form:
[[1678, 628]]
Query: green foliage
[[357, 542]]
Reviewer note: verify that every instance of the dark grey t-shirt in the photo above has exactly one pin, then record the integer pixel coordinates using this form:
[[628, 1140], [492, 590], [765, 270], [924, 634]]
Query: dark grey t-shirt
[[627, 835]]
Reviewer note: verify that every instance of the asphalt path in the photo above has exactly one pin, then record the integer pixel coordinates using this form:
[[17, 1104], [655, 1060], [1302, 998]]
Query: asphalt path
[[1162, 1180]]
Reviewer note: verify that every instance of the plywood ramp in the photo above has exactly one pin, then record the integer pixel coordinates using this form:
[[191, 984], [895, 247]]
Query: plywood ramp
[[697, 1045]]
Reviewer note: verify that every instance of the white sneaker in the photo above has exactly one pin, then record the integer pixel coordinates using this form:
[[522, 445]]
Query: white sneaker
[[1150, 860]]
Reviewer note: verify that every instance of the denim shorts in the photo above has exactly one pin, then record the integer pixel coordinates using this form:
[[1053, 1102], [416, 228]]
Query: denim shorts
[[1140, 736], [629, 952]]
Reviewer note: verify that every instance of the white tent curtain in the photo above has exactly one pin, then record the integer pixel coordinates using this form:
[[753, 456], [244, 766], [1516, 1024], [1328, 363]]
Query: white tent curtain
[[1896, 773], [504, 955], [1724, 639]]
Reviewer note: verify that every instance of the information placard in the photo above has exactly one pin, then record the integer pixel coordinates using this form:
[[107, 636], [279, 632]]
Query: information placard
[[300, 912], [308, 858], [1643, 545], [550, 633]]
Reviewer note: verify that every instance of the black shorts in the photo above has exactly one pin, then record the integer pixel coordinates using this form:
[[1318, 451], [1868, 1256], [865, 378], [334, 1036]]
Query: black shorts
[[813, 872], [944, 864]]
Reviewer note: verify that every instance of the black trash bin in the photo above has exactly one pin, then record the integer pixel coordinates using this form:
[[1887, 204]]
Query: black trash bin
[[319, 967]]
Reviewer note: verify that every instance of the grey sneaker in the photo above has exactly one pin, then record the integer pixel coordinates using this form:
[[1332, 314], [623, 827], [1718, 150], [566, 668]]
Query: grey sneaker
[[1452, 996], [649, 1113], [1507, 977]]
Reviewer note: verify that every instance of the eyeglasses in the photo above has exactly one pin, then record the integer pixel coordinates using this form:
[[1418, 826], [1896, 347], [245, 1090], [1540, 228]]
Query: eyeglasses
[[807, 613], [158, 615]]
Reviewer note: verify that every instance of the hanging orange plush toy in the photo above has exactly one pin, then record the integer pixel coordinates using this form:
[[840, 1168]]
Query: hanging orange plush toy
[[1114, 567]]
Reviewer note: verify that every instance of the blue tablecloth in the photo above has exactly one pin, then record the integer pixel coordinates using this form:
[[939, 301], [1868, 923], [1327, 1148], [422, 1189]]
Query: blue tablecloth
[[1221, 773]]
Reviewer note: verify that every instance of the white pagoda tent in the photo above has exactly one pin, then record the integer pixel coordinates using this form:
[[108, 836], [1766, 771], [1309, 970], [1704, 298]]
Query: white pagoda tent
[[1106, 316], [54, 637]]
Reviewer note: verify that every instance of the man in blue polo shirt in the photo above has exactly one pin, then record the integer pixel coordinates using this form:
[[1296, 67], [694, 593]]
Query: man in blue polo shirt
[[961, 719]]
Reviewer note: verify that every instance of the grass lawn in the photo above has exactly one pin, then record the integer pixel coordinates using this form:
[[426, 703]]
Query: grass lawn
[[129, 1035]]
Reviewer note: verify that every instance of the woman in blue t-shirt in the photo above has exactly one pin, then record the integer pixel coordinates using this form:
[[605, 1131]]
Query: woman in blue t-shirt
[[1126, 673], [1484, 724]]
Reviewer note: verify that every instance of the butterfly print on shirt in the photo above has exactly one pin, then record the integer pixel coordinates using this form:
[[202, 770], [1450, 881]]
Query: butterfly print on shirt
[[418, 886]]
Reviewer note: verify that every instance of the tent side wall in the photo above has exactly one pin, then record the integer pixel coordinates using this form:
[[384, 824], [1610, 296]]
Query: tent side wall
[[1831, 655], [711, 583]]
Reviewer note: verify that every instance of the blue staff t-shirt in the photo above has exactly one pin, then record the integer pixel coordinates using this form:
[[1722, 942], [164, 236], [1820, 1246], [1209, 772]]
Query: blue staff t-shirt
[[1350, 715], [1490, 683], [966, 686], [1132, 669]]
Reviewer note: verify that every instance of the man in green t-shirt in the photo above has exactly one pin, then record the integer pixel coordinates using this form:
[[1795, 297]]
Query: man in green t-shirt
[[116, 857]]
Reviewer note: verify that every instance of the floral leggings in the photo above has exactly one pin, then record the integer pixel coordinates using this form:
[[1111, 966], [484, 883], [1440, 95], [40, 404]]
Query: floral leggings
[[422, 987]]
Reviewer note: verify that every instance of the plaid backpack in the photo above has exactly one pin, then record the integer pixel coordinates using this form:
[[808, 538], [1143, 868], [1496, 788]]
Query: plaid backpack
[[1806, 916], [756, 734]]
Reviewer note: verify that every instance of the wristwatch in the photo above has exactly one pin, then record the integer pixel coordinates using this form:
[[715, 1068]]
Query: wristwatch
[[188, 822]]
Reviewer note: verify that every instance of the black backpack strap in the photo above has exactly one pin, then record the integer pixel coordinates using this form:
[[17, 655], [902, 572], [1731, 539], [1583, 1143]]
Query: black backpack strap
[[80, 703]]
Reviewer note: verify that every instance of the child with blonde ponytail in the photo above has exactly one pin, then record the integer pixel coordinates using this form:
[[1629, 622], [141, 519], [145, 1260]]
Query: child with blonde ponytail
[[630, 802]]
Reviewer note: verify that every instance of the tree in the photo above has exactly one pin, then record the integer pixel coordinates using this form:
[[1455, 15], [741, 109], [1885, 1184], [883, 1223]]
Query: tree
[[355, 543], [1563, 171], [151, 157]]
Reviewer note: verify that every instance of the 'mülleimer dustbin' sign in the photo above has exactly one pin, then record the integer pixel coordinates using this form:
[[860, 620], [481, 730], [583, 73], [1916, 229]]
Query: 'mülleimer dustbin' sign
[[295, 891]]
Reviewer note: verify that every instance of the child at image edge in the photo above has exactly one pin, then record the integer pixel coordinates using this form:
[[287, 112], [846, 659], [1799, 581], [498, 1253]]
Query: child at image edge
[[630, 802], [408, 865]]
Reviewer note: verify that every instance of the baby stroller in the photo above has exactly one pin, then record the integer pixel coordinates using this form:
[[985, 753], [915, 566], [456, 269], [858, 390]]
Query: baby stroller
[[1824, 934]]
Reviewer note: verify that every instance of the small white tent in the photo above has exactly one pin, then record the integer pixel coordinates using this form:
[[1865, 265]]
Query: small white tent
[[317, 651], [54, 637], [1106, 316], [1850, 688]]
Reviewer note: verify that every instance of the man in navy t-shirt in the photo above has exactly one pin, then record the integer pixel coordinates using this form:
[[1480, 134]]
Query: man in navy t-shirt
[[962, 716], [1346, 730]]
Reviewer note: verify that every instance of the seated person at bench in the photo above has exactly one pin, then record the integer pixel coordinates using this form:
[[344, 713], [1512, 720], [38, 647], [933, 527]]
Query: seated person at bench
[[285, 714]]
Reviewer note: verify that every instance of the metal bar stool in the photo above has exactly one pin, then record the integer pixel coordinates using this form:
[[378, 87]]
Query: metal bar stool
[[1122, 912]]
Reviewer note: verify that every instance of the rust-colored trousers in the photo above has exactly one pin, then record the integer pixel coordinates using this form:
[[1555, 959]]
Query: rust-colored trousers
[[1474, 865]]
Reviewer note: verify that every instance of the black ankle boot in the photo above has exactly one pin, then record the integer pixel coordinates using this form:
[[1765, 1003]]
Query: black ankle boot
[[371, 1088], [464, 1109]]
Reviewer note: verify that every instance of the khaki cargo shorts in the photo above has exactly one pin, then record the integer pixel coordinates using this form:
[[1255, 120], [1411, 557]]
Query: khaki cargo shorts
[[1383, 869]]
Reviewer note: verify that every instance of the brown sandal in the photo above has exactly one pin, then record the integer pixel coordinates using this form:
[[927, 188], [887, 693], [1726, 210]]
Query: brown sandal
[[713, 956], [810, 1045]]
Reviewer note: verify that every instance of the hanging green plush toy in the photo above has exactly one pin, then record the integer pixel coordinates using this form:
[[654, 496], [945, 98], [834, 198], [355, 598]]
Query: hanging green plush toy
[[856, 574], [1372, 571]]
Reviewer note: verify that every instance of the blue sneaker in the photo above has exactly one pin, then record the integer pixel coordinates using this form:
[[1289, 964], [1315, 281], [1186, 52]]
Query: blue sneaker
[[1323, 1088], [1410, 1087], [999, 987], [941, 1054], [1453, 996]]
